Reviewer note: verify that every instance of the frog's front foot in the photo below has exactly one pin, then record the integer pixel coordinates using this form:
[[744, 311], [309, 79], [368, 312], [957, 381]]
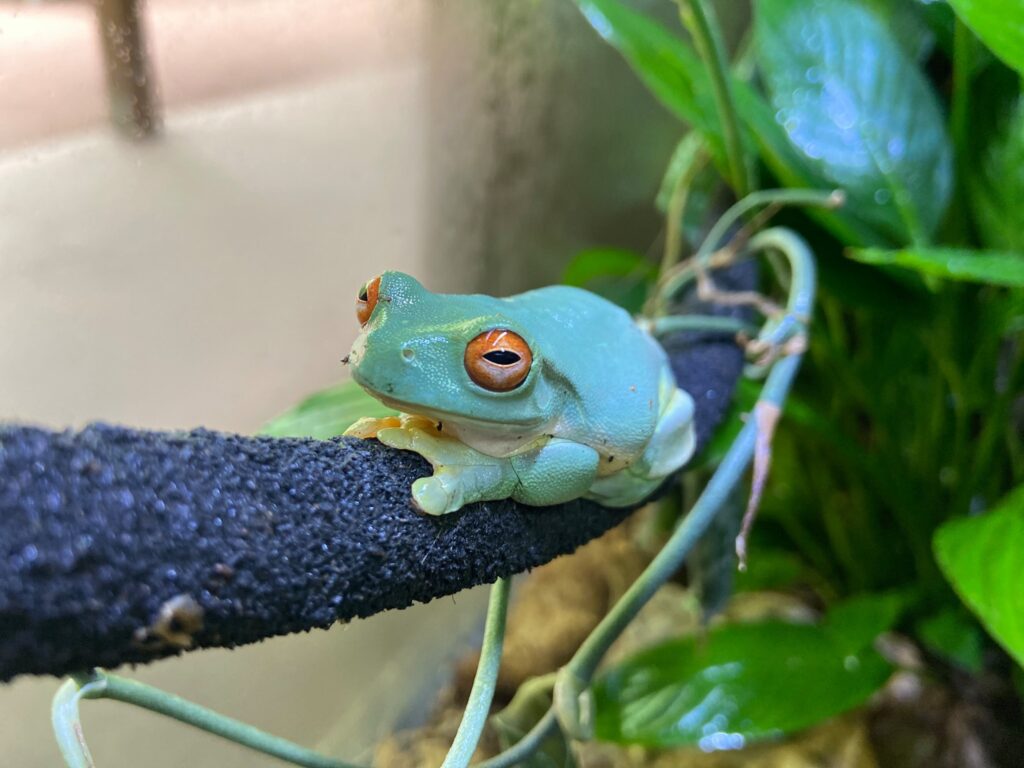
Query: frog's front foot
[[462, 474], [368, 426]]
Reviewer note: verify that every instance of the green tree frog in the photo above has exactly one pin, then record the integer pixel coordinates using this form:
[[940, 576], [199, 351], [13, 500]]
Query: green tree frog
[[542, 397]]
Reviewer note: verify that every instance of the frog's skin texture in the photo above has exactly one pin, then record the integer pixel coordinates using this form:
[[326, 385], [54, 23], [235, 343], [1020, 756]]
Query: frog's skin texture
[[597, 415]]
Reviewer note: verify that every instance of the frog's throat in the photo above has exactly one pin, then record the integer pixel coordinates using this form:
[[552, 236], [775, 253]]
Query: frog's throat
[[442, 416]]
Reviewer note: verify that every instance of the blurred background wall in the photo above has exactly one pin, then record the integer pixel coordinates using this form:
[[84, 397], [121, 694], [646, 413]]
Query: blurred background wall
[[206, 276]]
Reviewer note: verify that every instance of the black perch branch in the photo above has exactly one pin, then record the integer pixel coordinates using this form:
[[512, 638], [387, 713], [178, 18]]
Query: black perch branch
[[121, 545]]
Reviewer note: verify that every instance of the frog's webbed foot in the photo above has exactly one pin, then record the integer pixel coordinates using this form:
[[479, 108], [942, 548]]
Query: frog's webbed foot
[[462, 474]]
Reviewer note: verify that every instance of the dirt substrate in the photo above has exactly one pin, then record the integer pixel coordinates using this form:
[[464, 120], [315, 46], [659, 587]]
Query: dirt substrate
[[916, 721]]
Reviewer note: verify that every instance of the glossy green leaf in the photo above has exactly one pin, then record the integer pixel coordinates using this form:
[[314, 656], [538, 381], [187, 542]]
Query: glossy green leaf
[[676, 76], [327, 414], [955, 636], [666, 64], [741, 683], [855, 623], [993, 267], [795, 170], [983, 558], [617, 274], [997, 186], [908, 24], [859, 110], [999, 24]]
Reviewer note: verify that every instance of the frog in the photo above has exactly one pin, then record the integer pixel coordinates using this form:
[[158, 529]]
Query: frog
[[543, 397]]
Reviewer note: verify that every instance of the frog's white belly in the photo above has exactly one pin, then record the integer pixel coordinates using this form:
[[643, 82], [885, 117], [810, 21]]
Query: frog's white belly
[[499, 444]]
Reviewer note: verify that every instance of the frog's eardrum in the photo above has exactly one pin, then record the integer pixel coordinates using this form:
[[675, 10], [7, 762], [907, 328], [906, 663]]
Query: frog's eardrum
[[120, 545]]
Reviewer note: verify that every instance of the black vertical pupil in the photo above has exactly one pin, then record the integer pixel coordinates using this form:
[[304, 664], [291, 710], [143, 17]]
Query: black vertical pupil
[[363, 295], [502, 357]]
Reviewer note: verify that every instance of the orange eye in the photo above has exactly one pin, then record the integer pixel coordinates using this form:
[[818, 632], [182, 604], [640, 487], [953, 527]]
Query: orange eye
[[498, 360], [367, 300]]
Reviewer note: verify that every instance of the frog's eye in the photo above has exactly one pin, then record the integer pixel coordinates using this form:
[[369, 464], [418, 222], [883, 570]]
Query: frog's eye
[[367, 300], [498, 360]]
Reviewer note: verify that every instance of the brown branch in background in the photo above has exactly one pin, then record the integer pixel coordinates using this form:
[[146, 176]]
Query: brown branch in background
[[133, 108]]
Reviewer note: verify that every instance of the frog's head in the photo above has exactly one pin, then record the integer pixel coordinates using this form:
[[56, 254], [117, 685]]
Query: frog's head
[[450, 357]]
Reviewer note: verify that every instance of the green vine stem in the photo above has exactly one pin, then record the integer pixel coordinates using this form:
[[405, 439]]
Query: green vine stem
[[692, 148], [103, 685], [698, 17], [670, 558], [671, 283], [960, 121], [575, 677], [663, 326], [526, 746], [963, 64], [482, 694], [67, 725], [716, 235]]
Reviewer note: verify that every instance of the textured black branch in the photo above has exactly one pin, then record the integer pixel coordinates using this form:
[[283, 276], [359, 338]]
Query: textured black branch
[[120, 545]]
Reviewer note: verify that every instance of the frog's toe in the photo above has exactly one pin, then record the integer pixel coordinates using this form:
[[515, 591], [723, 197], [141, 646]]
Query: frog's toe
[[414, 421], [396, 437], [432, 495], [368, 426]]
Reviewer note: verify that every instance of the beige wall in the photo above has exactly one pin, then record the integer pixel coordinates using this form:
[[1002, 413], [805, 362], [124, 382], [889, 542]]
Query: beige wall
[[207, 278]]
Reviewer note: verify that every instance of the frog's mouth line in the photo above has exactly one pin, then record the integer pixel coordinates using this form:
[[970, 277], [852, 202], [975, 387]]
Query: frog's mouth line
[[442, 416]]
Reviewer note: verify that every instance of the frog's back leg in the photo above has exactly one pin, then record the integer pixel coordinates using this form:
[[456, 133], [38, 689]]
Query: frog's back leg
[[674, 439], [555, 472], [670, 447]]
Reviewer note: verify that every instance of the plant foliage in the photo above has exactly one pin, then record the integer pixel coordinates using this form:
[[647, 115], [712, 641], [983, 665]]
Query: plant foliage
[[909, 424]]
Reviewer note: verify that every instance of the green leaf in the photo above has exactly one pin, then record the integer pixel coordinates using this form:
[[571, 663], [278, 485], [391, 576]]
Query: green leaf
[[999, 24], [617, 274], [953, 635], [742, 683], [910, 28], [992, 267], [998, 186], [983, 558], [795, 170], [859, 110], [676, 76], [327, 414], [769, 569], [855, 623], [669, 68]]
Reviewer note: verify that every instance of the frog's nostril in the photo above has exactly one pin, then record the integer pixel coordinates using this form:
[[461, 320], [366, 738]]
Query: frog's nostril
[[408, 353]]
